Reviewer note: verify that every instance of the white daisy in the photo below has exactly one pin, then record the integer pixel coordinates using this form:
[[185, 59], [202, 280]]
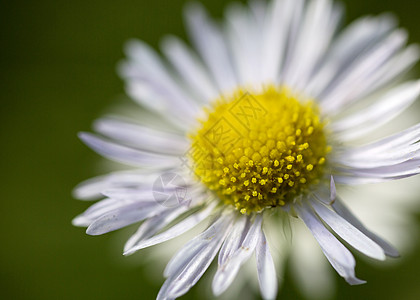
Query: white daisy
[[261, 122]]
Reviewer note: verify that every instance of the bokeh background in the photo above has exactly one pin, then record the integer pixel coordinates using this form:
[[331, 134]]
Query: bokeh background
[[57, 75]]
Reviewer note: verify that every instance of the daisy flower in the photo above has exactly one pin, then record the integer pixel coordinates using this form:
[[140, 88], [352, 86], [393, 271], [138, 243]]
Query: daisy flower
[[254, 130]]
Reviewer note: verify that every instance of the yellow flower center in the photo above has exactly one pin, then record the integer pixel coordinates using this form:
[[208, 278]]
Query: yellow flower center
[[261, 150]]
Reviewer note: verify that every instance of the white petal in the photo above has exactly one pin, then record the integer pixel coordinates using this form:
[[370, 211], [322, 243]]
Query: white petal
[[259, 10], [129, 194], [127, 155], [348, 233], [190, 68], [320, 16], [105, 206], [151, 97], [149, 192], [333, 191], [274, 46], [153, 225], [401, 170], [343, 211], [307, 259], [357, 180], [391, 150], [267, 277], [142, 137], [124, 216], [226, 273], [381, 159], [389, 71], [174, 231], [211, 45], [92, 189], [96, 210], [141, 53], [182, 258], [399, 140], [243, 38], [339, 257], [342, 92], [149, 68], [351, 44], [386, 73], [295, 22], [234, 239], [381, 112], [190, 263]]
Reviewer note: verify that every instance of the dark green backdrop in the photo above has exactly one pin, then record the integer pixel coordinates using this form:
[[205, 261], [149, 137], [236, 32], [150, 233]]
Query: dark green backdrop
[[57, 75]]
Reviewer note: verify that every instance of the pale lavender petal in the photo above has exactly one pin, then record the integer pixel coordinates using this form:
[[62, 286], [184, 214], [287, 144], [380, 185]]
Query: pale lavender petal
[[176, 230], [342, 93], [391, 105], [348, 232], [244, 41], [267, 276], [275, 34], [211, 45], [333, 191], [320, 16], [153, 98], [95, 211], [405, 169], [130, 194], [234, 239], [339, 257], [226, 273], [147, 67], [190, 263], [344, 212], [153, 225], [141, 137], [381, 159], [92, 189], [127, 155], [357, 180], [294, 23], [123, 216], [123, 193], [389, 72], [190, 68], [105, 206], [181, 259], [391, 150], [351, 44], [399, 140]]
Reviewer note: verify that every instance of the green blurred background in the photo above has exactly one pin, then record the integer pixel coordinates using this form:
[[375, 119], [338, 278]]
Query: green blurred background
[[57, 75]]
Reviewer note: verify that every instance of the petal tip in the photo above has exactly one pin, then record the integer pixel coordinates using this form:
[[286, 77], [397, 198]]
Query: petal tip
[[354, 281], [79, 221], [92, 230]]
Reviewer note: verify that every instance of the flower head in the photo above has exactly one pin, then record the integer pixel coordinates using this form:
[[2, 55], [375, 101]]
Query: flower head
[[263, 120]]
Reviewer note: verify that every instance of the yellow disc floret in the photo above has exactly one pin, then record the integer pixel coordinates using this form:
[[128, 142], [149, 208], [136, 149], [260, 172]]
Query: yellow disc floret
[[260, 150]]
